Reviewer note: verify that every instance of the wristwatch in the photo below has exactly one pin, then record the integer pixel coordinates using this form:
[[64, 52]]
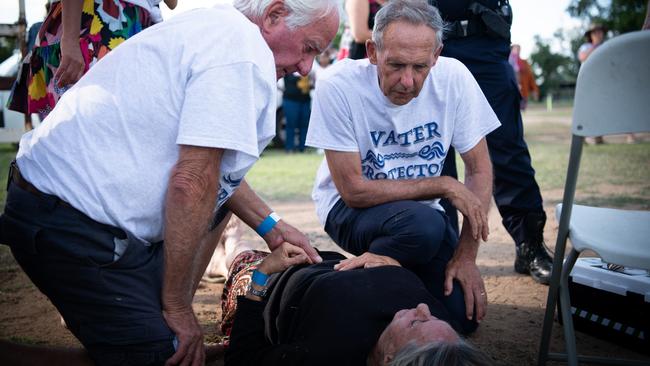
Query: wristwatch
[[255, 292]]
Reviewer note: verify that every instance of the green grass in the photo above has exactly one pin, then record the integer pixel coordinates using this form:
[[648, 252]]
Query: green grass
[[281, 176], [613, 174]]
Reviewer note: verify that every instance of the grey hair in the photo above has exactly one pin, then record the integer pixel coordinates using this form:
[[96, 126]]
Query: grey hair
[[301, 12], [416, 12], [459, 353]]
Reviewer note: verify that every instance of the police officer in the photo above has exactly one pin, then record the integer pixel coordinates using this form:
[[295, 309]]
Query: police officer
[[479, 37]]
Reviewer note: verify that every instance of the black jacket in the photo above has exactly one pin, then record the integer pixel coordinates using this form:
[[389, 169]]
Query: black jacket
[[318, 316]]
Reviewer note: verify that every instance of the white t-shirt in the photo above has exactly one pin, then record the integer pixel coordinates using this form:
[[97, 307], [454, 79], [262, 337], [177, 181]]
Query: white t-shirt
[[351, 114], [204, 78], [585, 47]]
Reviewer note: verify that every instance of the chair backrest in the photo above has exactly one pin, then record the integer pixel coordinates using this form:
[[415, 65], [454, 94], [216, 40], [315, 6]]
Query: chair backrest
[[613, 88]]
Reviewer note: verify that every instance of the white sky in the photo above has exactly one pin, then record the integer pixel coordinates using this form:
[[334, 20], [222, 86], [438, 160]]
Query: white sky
[[531, 17]]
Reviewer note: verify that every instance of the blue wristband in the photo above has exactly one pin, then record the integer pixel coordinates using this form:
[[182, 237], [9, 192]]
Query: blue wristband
[[259, 278], [268, 224]]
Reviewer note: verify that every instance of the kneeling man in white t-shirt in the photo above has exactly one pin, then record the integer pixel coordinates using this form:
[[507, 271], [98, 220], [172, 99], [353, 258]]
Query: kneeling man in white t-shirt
[[117, 200], [386, 124]]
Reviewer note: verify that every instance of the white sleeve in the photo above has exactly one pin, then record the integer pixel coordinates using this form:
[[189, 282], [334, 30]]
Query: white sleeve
[[330, 124], [222, 106], [474, 115], [584, 48]]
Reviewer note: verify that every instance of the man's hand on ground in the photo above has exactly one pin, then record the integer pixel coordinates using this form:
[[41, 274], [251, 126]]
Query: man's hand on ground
[[186, 326], [466, 272], [366, 260]]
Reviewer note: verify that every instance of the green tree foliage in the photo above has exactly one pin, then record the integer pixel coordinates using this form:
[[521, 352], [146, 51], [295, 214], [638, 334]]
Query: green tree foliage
[[555, 69], [7, 46], [619, 16]]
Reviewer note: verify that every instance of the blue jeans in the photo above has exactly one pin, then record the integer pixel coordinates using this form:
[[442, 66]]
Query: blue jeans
[[416, 235], [112, 305], [297, 115]]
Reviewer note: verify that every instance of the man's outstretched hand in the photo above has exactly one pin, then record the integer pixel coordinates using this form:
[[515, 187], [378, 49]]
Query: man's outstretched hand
[[283, 257], [366, 260], [285, 233]]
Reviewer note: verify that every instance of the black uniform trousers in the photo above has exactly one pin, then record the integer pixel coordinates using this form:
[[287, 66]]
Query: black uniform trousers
[[515, 190]]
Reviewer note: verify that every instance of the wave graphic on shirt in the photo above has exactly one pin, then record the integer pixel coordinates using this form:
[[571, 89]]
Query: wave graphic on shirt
[[429, 152], [232, 183]]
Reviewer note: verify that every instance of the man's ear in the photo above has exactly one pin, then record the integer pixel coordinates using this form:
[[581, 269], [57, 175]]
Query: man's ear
[[438, 51], [273, 15], [436, 54], [371, 50], [388, 358]]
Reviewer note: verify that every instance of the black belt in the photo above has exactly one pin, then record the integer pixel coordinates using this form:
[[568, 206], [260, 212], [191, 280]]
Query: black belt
[[483, 21], [20, 181]]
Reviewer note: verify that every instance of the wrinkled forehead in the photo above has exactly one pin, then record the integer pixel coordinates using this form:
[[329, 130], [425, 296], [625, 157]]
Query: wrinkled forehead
[[401, 34], [319, 34], [328, 30]]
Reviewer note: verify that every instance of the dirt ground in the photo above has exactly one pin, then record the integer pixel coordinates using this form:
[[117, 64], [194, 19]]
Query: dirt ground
[[510, 333]]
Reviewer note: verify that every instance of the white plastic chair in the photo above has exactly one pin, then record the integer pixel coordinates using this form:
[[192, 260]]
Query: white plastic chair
[[612, 97]]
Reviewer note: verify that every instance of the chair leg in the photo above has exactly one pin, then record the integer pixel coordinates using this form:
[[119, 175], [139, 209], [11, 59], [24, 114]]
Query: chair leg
[[547, 326], [565, 306], [551, 300]]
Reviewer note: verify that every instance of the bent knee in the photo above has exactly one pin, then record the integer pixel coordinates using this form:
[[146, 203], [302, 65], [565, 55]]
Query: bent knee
[[421, 229]]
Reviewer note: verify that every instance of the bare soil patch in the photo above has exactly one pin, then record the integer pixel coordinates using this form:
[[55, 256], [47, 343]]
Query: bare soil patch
[[510, 334]]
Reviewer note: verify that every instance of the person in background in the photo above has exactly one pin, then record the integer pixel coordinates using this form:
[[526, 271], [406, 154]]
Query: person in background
[[323, 61], [484, 48], [594, 38], [32, 33], [73, 37], [513, 60], [361, 19], [296, 103], [117, 200], [21, 97], [525, 77]]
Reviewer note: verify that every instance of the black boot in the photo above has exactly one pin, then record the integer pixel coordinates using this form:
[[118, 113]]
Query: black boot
[[533, 259], [532, 255]]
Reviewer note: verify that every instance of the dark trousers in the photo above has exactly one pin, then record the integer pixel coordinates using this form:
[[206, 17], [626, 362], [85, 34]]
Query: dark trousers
[[516, 192], [112, 305], [297, 115], [414, 234]]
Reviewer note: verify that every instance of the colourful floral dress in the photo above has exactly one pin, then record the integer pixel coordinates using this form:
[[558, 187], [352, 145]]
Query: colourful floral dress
[[104, 25], [239, 278]]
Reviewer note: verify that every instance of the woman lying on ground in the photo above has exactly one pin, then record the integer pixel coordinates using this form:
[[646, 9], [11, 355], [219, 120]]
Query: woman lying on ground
[[366, 310]]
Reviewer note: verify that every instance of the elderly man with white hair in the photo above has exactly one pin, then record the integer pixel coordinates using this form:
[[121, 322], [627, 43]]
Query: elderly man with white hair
[[386, 125], [117, 200]]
